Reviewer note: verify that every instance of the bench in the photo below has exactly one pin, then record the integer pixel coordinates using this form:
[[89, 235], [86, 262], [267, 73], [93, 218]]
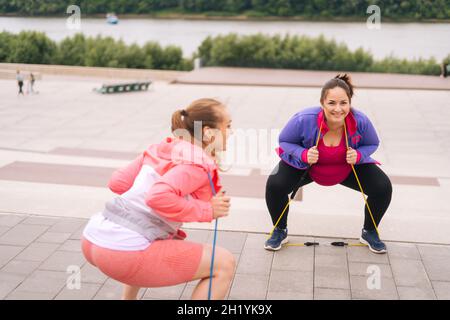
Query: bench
[[124, 87]]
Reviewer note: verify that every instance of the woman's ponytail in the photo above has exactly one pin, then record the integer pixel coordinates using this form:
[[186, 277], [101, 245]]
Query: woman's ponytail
[[343, 81], [178, 120], [204, 112], [347, 79]]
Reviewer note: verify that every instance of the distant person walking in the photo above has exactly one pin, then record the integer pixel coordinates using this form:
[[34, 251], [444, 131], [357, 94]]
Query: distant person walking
[[445, 67], [31, 80], [19, 78]]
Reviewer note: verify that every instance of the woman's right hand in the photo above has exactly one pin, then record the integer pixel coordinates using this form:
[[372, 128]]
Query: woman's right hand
[[221, 205], [313, 155]]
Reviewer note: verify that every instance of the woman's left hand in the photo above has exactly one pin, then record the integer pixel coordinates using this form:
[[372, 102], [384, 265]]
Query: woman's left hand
[[352, 155]]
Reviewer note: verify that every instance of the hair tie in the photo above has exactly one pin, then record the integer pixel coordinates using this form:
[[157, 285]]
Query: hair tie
[[184, 113]]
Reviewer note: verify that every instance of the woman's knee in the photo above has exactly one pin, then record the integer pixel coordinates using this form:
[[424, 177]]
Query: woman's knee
[[276, 185], [382, 187], [226, 262]]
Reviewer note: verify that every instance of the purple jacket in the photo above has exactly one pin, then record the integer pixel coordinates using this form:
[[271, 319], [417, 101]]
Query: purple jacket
[[300, 133]]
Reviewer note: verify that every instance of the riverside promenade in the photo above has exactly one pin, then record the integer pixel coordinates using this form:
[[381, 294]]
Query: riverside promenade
[[59, 147]]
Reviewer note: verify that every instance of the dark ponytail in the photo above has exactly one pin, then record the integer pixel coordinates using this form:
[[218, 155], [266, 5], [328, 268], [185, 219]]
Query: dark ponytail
[[342, 81]]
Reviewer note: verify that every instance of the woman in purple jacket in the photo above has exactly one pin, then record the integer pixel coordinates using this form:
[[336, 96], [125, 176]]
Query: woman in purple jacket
[[313, 148]]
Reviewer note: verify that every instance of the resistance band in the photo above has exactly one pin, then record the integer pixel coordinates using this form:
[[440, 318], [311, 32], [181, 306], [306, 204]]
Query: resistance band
[[334, 244], [295, 189], [214, 241], [360, 186]]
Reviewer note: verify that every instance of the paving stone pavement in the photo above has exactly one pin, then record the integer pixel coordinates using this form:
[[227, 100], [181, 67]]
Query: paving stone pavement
[[36, 252]]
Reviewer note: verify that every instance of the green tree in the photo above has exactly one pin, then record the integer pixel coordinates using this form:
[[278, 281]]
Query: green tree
[[134, 57], [294, 52], [173, 57], [7, 43], [105, 52], [33, 47], [71, 51], [154, 55], [446, 60]]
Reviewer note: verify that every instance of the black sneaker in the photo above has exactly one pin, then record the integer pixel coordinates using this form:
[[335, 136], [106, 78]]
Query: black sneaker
[[278, 238], [370, 237]]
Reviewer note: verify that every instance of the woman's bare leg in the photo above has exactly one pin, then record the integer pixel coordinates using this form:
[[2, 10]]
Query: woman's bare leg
[[224, 265], [130, 292]]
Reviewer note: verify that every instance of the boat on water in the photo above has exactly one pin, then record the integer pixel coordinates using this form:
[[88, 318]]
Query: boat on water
[[111, 18]]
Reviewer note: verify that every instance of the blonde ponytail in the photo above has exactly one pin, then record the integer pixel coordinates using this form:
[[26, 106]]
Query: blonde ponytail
[[178, 120]]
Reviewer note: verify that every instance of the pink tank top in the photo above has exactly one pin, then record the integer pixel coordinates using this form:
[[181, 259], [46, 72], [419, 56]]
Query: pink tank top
[[332, 167]]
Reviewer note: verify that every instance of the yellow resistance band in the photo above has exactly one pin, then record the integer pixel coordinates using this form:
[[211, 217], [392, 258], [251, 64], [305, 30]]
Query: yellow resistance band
[[289, 202], [359, 184], [357, 179]]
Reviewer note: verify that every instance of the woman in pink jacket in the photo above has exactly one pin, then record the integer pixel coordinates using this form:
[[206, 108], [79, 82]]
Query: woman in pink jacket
[[137, 239]]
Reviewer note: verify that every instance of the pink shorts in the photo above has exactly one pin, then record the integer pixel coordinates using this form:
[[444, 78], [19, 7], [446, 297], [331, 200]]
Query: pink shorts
[[163, 263]]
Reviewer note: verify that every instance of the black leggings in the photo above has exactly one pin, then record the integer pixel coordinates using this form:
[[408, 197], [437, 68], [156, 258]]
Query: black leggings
[[20, 87], [374, 181]]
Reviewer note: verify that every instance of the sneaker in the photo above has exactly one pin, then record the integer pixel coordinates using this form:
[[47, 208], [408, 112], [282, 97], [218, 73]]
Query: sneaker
[[278, 238], [370, 237]]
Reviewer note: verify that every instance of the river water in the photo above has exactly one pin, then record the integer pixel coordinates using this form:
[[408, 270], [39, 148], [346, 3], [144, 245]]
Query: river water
[[404, 40]]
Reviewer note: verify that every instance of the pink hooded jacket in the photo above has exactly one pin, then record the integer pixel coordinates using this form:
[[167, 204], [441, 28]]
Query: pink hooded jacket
[[183, 167]]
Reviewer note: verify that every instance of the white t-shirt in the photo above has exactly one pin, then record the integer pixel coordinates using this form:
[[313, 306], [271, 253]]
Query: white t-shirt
[[107, 234]]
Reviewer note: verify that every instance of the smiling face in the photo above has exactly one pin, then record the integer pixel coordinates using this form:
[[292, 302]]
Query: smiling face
[[336, 106]]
